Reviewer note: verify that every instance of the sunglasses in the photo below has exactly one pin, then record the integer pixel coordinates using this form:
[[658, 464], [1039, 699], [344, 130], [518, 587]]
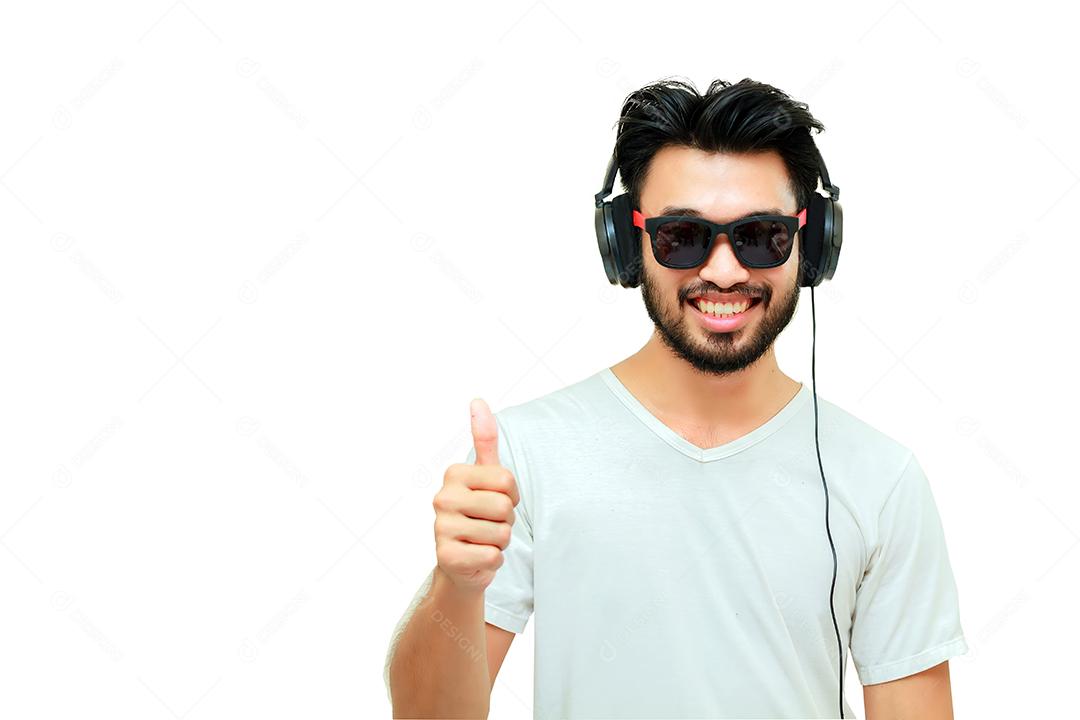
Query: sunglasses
[[684, 241]]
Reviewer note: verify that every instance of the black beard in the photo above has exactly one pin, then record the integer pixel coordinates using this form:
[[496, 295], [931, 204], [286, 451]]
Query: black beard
[[719, 355]]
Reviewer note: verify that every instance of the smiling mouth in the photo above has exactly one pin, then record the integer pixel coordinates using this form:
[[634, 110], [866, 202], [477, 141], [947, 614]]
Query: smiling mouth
[[726, 309]]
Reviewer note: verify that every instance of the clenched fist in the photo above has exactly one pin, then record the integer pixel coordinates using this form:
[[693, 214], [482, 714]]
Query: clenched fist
[[474, 509]]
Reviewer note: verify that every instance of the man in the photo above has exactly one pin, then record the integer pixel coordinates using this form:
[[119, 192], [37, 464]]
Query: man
[[664, 516]]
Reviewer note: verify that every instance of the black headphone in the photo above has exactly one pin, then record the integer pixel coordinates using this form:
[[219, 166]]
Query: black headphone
[[619, 240]]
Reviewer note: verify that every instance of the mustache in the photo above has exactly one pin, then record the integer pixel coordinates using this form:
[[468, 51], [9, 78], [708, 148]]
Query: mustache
[[763, 293]]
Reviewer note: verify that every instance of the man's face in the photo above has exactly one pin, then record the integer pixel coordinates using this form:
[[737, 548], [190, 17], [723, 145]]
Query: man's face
[[723, 188]]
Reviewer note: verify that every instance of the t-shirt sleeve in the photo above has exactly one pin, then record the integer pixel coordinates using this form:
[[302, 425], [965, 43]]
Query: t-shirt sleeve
[[907, 615], [508, 600]]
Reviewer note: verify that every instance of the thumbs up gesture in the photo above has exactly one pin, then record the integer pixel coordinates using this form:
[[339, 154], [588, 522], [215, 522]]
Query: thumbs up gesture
[[474, 509]]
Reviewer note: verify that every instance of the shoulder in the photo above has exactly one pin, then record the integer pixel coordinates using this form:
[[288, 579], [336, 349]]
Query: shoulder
[[559, 411], [871, 459], [565, 425], [549, 435]]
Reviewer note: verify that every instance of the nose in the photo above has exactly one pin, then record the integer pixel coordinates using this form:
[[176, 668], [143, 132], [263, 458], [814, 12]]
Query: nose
[[722, 268]]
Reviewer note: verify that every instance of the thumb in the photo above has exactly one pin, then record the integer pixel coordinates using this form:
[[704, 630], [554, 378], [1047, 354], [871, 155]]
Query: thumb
[[485, 433]]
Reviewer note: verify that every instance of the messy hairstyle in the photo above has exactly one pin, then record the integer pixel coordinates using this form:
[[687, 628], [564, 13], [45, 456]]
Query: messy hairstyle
[[745, 117]]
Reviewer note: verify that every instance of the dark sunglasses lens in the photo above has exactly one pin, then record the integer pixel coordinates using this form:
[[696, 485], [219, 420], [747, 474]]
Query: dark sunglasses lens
[[762, 242], [680, 243]]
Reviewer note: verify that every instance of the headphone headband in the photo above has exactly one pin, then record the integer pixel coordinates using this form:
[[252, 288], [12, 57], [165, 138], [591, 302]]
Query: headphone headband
[[609, 180]]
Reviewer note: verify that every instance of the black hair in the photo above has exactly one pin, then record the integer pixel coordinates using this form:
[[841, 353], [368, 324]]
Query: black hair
[[745, 117]]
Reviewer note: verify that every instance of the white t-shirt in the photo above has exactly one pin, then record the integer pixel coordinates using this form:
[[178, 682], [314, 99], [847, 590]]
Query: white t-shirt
[[669, 580]]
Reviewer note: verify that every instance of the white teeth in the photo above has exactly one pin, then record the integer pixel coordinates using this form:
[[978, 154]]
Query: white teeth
[[722, 309]]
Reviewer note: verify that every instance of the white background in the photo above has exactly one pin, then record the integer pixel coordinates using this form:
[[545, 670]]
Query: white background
[[257, 258]]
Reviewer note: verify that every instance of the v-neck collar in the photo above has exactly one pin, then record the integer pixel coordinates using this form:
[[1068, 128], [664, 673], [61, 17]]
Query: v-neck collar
[[686, 447]]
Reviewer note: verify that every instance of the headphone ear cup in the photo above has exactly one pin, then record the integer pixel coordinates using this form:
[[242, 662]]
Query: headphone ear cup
[[605, 241], [811, 241], [627, 241], [833, 239]]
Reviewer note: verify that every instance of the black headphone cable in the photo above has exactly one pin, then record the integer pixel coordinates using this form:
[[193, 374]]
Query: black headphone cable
[[828, 531]]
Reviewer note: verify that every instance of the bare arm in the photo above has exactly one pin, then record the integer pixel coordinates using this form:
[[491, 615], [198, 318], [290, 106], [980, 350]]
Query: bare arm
[[440, 664], [498, 643], [926, 695], [440, 667]]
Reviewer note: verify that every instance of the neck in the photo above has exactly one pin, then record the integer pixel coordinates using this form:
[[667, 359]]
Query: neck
[[673, 388]]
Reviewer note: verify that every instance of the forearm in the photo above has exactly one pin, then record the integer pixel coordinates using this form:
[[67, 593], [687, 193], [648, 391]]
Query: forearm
[[439, 667]]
